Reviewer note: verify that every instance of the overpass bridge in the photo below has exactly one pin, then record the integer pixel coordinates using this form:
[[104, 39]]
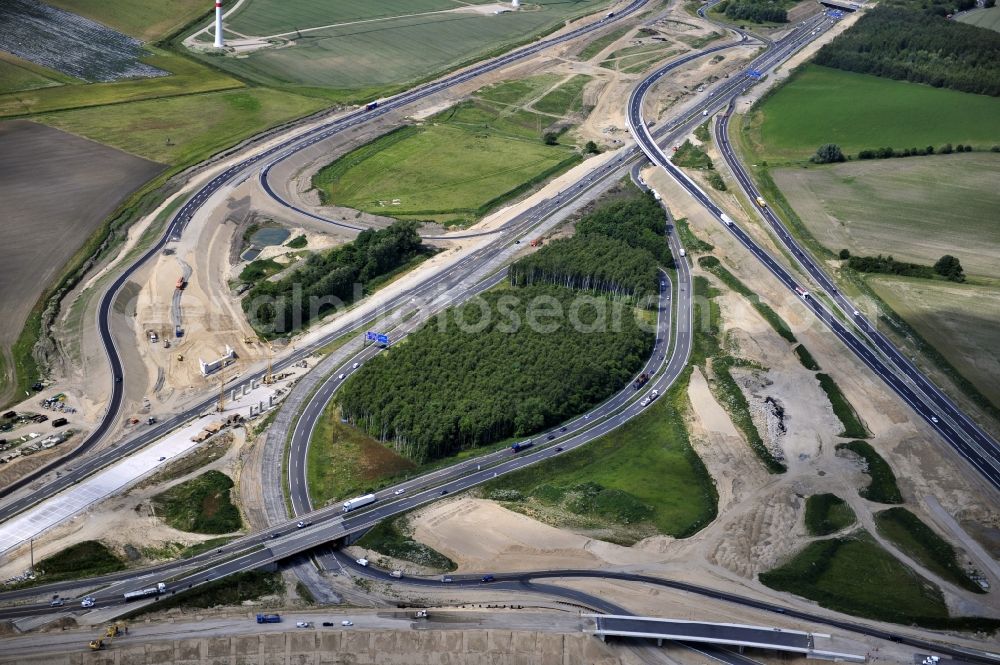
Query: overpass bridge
[[729, 634], [841, 5]]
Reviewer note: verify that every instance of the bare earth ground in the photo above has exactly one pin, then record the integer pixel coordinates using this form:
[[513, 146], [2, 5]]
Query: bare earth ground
[[56, 189]]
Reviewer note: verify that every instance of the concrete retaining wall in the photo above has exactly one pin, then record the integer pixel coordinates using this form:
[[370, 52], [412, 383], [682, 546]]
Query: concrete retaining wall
[[329, 647]]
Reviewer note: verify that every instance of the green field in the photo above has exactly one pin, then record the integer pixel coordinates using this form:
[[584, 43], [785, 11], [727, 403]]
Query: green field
[[188, 77], [343, 461], [984, 18], [200, 505], [567, 98], [148, 20], [820, 105], [911, 535], [453, 168], [915, 208], [17, 75], [826, 514], [178, 130], [857, 576], [961, 321], [883, 487], [643, 474], [366, 57]]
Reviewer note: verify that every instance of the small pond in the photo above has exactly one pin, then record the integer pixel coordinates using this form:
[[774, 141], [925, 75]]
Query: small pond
[[269, 236]]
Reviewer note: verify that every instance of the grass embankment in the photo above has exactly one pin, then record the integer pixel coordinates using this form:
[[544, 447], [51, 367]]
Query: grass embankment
[[391, 537], [856, 576], [826, 514], [714, 266], [853, 427], [343, 461], [260, 269], [689, 240], [231, 591], [915, 538], [454, 168], [595, 46], [567, 98], [641, 479], [806, 358], [883, 487], [85, 559], [708, 344], [818, 105], [200, 505]]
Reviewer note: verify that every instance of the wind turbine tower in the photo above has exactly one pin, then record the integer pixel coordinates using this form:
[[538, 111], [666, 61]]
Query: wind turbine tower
[[218, 24]]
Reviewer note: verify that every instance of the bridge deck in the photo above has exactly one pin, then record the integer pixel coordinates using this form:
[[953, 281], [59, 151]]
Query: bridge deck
[[781, 639]]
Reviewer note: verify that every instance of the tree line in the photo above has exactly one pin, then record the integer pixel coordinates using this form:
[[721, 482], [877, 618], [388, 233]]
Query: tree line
[[331, 278], [637, 220], [591, 263], [483, 372], [909, 43], [947, 266], [759, 11]]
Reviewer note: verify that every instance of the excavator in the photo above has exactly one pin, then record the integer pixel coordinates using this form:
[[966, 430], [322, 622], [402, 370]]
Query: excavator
[[113, 630]]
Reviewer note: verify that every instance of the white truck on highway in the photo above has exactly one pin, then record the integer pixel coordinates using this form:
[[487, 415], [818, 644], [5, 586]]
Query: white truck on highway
[[727, 219], [147, 592], [358, 501]]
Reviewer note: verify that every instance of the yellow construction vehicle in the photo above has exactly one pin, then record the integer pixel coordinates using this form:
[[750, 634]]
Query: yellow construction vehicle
[[115, 629], [97, 645]]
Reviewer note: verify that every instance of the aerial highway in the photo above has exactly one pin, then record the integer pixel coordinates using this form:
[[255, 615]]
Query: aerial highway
[[937, 409], [329, 523], [985, 463], [179, 220], [532, 216]]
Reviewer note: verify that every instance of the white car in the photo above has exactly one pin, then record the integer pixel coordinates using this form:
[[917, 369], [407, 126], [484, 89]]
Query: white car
[[346, 622], [399, 491], [355, 365], [302, 624], [934, 419], [87, 602], [362, 562], [342, 377]]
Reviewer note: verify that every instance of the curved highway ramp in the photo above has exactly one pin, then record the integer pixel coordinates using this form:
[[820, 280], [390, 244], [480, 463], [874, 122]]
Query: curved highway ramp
[[731, 634]]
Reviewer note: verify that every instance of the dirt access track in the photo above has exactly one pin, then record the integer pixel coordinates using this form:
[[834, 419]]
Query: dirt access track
[[56, 190]]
